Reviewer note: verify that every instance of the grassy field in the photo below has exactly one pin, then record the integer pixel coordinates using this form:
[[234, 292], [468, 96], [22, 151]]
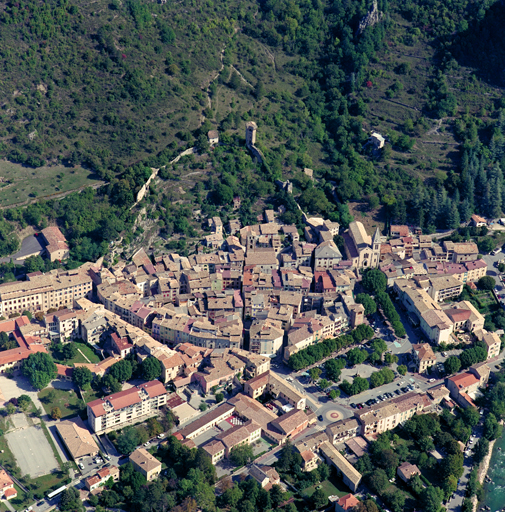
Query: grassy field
[[69, 403], [330, 487], [88, 355], [22, 183]]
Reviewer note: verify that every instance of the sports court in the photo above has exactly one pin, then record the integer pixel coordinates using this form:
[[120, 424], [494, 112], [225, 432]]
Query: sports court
[[32, 452]]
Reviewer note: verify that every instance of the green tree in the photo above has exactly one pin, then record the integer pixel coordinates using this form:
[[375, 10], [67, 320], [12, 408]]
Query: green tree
[[151, 368], [333, 369], [70, 500], [481, 450], [431, 498], [402, 369], [55, 413], [315, 373], [334, 393], [25, 402], [276, 495], [69, 351], [241, 455], [379, 346], [374, 280], [368, 303], [376, 379], [470, 416], [121, 371], [232, 496], [323, 384], [128, 441], [378, 481], [10, 408], [6, 342], [452, 365], [486, 283], [111, 384], [202, 406], [319, 499], [356, 356], [40, 369], [82, 377], [219, 397], [492, 428]]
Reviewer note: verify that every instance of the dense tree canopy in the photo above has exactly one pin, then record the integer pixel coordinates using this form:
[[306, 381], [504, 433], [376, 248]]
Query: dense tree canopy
[[40, 369]]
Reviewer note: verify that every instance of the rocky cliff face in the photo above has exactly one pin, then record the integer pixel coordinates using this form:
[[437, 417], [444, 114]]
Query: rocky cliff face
[[373, 17]]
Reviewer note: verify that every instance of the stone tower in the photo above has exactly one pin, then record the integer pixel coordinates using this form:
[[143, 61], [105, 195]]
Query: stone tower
[[250, 133]]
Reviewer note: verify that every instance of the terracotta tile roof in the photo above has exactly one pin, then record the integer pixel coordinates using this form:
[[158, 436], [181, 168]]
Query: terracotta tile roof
[[5, 479], [127, 397], [77, 437], [64, 371], [142, 458], [348, 501], [464, 380]]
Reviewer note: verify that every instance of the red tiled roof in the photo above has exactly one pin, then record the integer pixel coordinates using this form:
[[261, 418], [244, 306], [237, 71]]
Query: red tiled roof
[[348, 501], [64, 371], [464, 380], [10, 492]]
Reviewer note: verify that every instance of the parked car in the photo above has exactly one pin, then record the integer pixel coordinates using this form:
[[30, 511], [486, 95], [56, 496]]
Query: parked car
[[353, 405], [398, 392], [320, 417], [161, 436], [81, 465], [444, 354], [431, 380], [405, 390]]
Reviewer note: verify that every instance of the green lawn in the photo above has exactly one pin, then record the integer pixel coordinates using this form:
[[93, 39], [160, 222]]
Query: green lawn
[[47, 482], [83, 352], [67, 400], [24, 183], [331, 487]]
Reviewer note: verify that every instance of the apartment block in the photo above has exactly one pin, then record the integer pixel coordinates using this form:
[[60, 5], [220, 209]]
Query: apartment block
[[387, 415], [126, 407]]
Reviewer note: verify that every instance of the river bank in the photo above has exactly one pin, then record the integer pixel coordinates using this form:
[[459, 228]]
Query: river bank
[[494, 466]]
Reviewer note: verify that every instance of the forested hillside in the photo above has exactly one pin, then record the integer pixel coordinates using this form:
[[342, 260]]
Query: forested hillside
[[125, 85]]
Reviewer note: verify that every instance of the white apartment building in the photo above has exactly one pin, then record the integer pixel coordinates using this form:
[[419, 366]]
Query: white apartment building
[[126, 407]]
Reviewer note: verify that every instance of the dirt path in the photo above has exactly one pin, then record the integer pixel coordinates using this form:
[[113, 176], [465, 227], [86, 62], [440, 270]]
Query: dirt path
[[435, 129], [241, 76]]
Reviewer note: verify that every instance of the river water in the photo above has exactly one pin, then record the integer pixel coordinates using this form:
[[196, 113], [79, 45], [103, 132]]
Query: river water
[[495, 491]]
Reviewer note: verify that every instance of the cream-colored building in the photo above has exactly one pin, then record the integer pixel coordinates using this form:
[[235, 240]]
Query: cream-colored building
[[265, 337], [387, 415], [493, 344], [423, 356], [272, 384], [56, 243], [222, 445], [126, 407], [77, 438], [444, 288], [350, 475], [145, 463], [45, 291]]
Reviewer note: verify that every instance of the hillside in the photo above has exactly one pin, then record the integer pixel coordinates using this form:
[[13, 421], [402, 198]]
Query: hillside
[[123, 86]]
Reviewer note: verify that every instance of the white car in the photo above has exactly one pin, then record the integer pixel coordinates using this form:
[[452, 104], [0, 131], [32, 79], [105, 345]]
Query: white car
[[147, 444], [81, 465], [161, 436]]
